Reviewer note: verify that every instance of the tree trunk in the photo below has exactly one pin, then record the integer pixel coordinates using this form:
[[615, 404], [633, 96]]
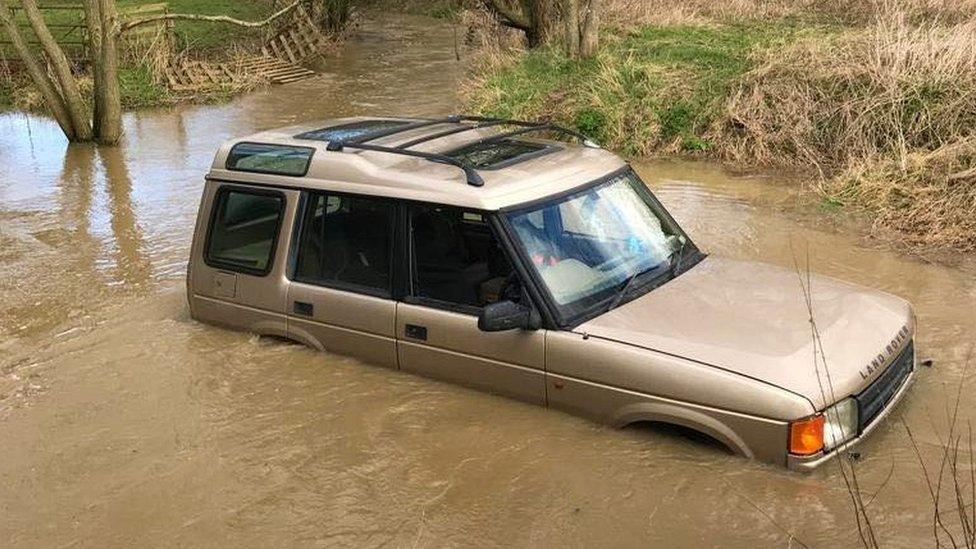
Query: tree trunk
[[533, 18], [572, 21], [540, 16], [590, 39], [93, 22], [52, 98], [73, 102], [110, 113]]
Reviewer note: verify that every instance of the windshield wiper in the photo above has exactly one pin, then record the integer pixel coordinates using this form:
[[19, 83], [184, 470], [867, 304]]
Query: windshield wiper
[[676, 258], [625, 288]]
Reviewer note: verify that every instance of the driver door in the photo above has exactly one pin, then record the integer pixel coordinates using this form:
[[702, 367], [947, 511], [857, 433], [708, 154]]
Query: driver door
[[457, 267]]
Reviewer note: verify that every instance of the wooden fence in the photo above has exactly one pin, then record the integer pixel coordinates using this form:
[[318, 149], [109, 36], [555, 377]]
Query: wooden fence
[[65, 21], [68, 25]]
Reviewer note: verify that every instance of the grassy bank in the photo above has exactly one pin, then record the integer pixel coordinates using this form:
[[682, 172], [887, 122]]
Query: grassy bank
[[877, 100], [657, 88]]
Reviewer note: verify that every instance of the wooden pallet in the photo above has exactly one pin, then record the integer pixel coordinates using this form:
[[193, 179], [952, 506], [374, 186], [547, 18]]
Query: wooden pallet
[[274, 70], [186, 75], [297, 40], [200, 76], [293, 41]]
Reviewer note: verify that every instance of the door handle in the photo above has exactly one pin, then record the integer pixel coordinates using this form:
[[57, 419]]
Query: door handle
[[303, 308], [414, 331]]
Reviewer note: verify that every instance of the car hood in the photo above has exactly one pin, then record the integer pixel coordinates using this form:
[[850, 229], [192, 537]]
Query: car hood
[[753, 319]]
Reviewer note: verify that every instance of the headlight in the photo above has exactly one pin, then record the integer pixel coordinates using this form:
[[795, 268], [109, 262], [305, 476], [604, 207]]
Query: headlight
[[840, 423], [826, 431]]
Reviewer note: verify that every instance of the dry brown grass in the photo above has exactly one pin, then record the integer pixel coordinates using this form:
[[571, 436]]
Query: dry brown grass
[[928, 197], [631, 13], [889, 89], [886, 112]]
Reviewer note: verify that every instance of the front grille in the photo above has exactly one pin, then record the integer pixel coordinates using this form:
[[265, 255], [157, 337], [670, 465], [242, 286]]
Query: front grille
[[872, 400]]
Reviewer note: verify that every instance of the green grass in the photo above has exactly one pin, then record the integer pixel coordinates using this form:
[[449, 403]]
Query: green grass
[[201, 35], [135, 86], [138, 90], [656, 87], [442, 11]]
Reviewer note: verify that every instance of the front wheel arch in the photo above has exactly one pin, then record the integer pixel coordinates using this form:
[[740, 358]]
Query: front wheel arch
[[670, 414]]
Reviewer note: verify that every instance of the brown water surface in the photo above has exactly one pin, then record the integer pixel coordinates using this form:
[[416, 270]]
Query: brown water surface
[[124, 423]]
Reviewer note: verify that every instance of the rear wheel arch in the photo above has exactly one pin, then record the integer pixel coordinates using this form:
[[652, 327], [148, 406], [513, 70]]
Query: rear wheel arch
[[300, 335], [671, 414]]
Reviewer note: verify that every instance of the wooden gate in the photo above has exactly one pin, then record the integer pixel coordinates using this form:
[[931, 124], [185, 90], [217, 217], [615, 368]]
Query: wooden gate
[[65, 21], [297, 39]]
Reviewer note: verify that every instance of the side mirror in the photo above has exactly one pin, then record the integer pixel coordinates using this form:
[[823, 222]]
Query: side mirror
[[507, 315]]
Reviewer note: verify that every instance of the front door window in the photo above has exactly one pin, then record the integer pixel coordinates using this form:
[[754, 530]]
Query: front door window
[[456, 259]]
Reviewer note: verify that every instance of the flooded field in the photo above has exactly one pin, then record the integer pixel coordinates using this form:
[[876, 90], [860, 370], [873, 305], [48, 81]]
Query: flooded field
[[125, 423]]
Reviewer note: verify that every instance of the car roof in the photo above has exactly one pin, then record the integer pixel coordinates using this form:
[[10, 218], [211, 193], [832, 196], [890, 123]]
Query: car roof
[[562, 167]]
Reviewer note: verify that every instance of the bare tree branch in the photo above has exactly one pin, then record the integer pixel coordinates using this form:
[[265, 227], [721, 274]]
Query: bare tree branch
[[509, 16], [129, 25]]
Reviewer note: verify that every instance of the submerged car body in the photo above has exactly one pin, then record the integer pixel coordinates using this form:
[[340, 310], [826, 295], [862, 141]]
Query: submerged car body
[[541, 270]]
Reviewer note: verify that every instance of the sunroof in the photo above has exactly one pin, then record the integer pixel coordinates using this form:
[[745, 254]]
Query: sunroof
[[497, 154], [354, 130], [273, 159]]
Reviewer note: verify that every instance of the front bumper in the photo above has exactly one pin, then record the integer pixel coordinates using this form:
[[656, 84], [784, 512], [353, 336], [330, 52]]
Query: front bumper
[[808, 463]]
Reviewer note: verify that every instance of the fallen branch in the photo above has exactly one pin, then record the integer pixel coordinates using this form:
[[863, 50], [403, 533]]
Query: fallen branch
[[129, 25]]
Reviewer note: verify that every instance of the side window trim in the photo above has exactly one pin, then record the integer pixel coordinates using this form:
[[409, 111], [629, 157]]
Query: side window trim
[[216, 204], [306, 201], [460, 308]]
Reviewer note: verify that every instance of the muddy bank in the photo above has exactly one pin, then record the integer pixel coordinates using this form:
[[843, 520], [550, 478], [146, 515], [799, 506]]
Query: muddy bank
[[126, 423]]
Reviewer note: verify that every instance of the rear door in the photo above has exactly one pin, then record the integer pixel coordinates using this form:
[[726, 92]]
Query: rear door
[[340, 297], [457, 267]]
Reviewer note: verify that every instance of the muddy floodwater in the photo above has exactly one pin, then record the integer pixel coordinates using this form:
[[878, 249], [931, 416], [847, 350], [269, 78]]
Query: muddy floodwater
[[125, 423]]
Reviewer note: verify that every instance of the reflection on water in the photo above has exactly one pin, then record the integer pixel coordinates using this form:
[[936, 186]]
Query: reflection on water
[[125, 423], [131, 266]]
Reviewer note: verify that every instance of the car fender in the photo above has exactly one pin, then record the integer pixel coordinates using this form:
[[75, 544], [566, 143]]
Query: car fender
[[659, 412], [301, 335]]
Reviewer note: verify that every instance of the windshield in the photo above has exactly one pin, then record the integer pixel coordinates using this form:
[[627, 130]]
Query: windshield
[[586, 247]]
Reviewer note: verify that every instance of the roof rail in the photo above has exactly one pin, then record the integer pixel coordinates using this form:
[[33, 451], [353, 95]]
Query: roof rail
[[471, 174], [473, 177], [484, 122], [540, 127], [369, 136], [452, 131]]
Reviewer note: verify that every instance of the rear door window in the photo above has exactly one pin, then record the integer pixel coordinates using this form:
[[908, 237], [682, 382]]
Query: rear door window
[[347, 242], [244, 230]]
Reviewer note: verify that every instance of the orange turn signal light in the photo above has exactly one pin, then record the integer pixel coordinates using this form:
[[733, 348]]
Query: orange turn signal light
[[807, 436]]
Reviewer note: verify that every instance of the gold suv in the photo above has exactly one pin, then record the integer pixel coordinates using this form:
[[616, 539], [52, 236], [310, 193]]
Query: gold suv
[[522, 259]]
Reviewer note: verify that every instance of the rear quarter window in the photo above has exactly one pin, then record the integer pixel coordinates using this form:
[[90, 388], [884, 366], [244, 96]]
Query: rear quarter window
[[271, 159], [244, 230]]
